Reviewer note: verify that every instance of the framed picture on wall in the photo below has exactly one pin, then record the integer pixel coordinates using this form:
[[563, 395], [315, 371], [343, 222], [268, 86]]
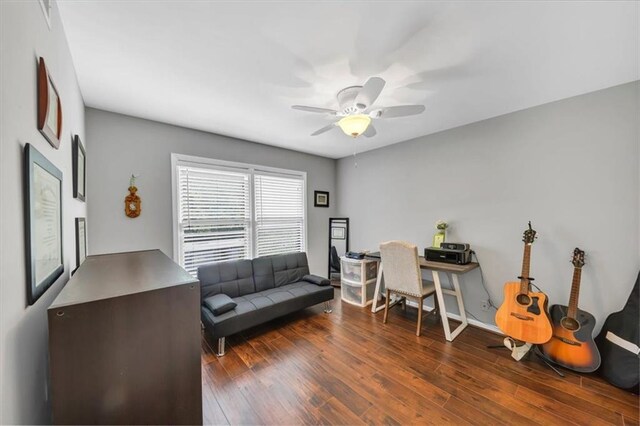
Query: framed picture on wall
[[81, 241], [43, 223], [79, 169], [320, 199], [49, 107], [337, 233]]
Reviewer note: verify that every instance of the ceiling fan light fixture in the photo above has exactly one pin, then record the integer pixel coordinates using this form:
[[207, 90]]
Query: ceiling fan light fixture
[[354, 125]]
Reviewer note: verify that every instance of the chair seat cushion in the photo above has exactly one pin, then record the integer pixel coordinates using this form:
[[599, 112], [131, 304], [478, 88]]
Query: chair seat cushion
[[219, 304], [428, 287]]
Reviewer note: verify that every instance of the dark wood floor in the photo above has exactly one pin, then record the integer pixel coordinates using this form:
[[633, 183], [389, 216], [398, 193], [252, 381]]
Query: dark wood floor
[[349, 368]]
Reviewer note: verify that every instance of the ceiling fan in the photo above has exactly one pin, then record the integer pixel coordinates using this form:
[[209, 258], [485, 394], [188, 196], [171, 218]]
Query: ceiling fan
[[355, 109]]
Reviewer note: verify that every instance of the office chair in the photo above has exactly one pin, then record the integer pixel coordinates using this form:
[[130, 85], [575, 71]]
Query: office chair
[[402, 276], [334, 260]]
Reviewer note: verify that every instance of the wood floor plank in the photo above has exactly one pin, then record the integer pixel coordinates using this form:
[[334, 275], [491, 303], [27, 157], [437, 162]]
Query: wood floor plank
[[212, 413], [336, 413], [349, 368], [265, 403], [470, 412], [545, 402], [509, 401]]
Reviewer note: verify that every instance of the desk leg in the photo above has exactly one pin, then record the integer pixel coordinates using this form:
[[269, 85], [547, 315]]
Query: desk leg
[[376, 293], [463, 313], [441, 306]]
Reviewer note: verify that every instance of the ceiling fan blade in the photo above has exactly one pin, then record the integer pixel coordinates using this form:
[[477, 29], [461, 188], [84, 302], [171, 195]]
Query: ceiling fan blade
[[369, 93], [324, 129], [370, 132], [397, 111], [314, 109]]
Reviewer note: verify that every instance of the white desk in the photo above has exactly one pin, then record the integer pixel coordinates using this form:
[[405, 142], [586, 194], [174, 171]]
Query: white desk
[[436, 269]]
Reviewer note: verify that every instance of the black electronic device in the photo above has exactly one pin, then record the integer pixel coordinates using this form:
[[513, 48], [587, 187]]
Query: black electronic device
[[358, 255], [458, 257], [454, 246]]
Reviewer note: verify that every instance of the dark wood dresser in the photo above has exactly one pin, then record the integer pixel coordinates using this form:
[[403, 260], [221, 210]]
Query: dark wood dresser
[[124, 343]]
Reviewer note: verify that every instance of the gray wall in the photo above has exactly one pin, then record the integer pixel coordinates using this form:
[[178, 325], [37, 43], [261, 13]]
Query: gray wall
[[23, 329], [122, 145], [570, 166]]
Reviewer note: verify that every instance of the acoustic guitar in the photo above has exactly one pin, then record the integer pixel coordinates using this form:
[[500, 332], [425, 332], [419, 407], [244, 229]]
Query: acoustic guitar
[[523, 313], [572, 345]]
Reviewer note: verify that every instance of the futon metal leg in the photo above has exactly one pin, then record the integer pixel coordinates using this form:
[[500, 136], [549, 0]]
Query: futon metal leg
[[327, 308], [220, 349]]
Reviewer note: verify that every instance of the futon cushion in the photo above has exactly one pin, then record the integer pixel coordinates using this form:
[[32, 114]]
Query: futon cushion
[[219, 304], [314, 279], [289, 268], [257, 308], [233, 278]]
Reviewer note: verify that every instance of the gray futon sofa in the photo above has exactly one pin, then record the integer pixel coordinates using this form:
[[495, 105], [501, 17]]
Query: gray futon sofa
[[239, 294]]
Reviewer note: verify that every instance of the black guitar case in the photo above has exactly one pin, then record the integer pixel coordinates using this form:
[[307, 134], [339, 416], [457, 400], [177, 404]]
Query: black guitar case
[[620, 363]]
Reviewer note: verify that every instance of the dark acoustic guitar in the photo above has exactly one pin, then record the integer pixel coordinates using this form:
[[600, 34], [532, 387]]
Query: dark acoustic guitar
[[523, 313], [572, 345]]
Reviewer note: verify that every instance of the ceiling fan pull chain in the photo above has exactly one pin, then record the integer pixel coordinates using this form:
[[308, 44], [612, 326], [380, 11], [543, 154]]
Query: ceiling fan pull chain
[[355, 149]]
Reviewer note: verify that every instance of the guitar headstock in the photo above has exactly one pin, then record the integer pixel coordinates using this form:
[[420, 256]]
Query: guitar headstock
[[529, 235], [578, 258]]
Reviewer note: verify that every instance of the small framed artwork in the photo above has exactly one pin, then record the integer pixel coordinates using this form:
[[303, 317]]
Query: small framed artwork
[[337, 233], [79, 169], [81, 241], [320, 199], [49, 107], [43, 223]]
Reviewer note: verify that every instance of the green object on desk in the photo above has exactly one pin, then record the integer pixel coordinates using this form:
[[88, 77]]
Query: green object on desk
[[438, 238]]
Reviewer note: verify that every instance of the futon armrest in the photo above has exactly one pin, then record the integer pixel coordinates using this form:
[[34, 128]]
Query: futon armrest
[[314, 279], [219, 304]]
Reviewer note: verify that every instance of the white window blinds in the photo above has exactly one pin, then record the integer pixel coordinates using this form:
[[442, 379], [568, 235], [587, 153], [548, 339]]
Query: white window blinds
[[279, 214], [227, 211], [214, 216]]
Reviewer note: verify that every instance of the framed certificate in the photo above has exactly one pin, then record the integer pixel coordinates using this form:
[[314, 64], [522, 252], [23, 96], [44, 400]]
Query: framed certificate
[[43, 223]]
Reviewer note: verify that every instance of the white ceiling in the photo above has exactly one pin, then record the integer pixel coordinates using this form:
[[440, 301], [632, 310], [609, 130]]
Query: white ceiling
[[234, 68]]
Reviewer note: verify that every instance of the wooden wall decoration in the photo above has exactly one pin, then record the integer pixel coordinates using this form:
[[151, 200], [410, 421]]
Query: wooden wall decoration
[[132, 202], [49, 107]]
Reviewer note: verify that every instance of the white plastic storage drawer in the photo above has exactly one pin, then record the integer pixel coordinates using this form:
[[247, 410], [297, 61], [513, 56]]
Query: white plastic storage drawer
[[354, 294], [371, 270], [352, 271]]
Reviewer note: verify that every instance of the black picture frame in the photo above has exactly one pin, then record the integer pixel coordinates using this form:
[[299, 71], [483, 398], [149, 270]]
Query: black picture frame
[[318, 200], [37, 169], [79, 173], [81, 237]]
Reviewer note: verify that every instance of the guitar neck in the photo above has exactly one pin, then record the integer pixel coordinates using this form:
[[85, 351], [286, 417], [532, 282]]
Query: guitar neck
[[526, 260], [572, 309]]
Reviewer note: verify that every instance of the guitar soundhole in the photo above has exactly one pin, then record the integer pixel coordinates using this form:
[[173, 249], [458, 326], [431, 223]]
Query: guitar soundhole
[[523, 299], [570, 323]]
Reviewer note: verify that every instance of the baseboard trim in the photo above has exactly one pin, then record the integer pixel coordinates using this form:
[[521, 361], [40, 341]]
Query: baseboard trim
[[479, 324]]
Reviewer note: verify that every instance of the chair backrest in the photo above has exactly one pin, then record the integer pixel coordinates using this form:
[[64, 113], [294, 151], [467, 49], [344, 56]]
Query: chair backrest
[[335, 259], [401, 267]]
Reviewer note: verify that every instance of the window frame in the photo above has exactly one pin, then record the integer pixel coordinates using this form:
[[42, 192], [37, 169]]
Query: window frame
[[251, 169]]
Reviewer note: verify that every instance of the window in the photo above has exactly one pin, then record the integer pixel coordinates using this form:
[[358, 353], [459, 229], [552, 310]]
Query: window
[[226, 211]]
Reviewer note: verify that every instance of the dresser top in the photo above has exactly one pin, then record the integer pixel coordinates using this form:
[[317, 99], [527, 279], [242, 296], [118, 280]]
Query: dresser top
[[120, 274]]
